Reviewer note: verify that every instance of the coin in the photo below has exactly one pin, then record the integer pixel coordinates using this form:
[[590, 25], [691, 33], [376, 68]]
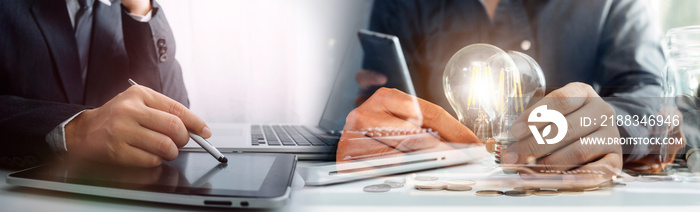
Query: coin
[[429, 189], [394, 184], [518, 193], [489, 193], [460, 182], [426, 178], [395, 180], [377, 188], [545, 193], [430, 185], [457, 187], [528, 188], [570, 191]]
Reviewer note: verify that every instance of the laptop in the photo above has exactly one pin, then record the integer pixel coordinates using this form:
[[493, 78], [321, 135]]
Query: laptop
[[319, 142], [325, 173]]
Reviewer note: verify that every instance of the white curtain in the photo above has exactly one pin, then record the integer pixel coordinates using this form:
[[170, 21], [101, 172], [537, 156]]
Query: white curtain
[[261, 61]]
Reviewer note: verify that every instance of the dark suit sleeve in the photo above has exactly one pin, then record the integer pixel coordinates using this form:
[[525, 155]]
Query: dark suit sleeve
[[150, 47], [631, 67], [24, 124]]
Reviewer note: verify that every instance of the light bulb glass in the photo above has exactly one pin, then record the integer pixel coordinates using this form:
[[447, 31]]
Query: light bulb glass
[[528, 81], [475, 85], [489, 88]]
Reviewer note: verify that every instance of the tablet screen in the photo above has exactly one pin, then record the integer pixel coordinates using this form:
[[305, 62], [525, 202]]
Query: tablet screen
[[224, 172], [192, 173]]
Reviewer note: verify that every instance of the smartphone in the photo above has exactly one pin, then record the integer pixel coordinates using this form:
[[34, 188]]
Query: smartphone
[[383, 54]]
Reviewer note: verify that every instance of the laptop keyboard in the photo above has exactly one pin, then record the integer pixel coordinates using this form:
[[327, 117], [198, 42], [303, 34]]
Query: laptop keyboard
[[285, 135]]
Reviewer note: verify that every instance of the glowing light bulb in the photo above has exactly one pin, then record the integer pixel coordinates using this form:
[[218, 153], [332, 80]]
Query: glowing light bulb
[[528, 81], [474, 85], [489, 88]]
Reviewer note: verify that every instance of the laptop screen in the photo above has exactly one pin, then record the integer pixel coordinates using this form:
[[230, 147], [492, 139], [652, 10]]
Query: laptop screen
[[345, 90]]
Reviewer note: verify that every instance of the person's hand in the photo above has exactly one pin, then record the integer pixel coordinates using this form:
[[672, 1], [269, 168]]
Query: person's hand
[[381, 142], [367, 79], [368, 82], [137, 7], [574, 101], [393, 109], [139, 127]]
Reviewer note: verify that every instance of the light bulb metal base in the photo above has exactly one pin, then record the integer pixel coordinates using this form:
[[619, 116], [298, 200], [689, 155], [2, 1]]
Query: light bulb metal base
[[499, 146]]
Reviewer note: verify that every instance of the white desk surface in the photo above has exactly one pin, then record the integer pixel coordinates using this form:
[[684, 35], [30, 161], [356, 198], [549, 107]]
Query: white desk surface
[[350, 197]]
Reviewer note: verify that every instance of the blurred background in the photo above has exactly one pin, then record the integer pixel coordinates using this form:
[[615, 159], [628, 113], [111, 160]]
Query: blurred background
[[270, 61], [676, 13], [262, 61]]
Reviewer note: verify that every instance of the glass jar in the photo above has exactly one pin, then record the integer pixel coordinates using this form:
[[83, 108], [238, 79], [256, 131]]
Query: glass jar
[[682, 74], [682, 49]]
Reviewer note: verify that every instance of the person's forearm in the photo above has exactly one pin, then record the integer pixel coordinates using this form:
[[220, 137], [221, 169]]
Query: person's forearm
[[57, 137], [24, 125]]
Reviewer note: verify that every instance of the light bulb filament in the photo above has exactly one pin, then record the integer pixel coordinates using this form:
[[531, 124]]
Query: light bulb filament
[[473, 86], [519, 95], [501, 87]]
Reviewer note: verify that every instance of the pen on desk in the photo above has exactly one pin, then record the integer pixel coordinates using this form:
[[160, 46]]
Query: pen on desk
[[201, 141]]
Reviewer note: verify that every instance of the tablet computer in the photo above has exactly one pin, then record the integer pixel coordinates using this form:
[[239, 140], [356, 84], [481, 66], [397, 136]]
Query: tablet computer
[[194, 178], [383, 54]]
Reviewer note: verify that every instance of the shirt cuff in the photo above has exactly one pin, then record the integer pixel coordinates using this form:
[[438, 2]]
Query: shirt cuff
[[142, 18], [57, 137]]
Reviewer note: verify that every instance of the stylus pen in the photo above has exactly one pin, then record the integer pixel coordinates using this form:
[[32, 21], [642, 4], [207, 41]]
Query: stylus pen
[[201, 141]]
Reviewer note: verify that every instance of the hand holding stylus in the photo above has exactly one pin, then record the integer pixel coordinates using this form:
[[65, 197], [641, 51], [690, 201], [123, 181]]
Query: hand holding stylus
[[139, 127]]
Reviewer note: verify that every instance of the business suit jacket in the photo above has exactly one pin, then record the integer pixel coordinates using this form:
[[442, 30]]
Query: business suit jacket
[[40, 81]]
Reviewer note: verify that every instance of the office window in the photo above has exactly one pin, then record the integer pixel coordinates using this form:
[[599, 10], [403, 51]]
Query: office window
[[677, 13]]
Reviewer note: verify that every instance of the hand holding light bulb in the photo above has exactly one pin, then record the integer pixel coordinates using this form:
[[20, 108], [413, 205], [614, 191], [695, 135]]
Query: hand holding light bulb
[[574, 101], [490, 89]]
